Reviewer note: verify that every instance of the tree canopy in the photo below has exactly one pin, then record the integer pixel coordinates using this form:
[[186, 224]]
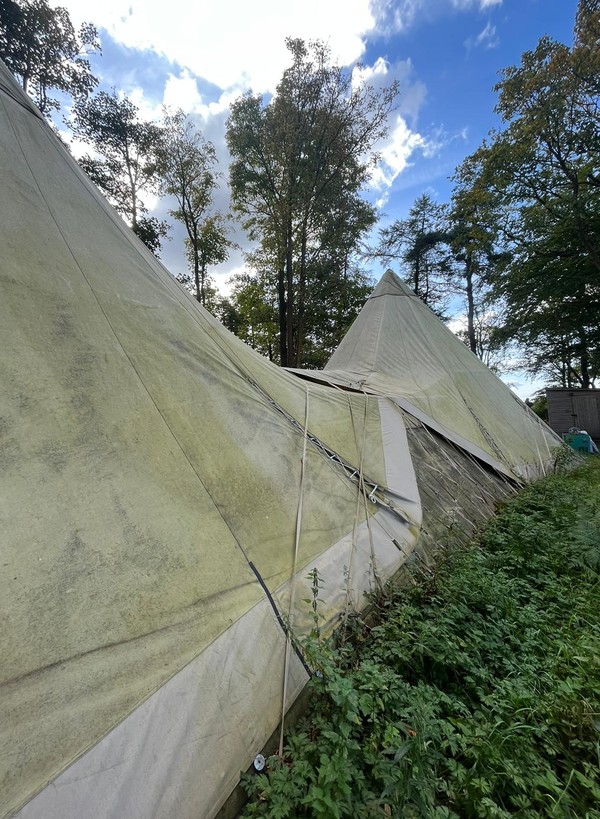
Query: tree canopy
[[186, 165], [299, 162], [544, 171], [125, 163], [419, 246], [518, 243], [40, 46]]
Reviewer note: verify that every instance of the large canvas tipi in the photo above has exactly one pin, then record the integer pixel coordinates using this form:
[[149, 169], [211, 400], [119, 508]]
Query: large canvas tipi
[[163, 493], [398, 347]]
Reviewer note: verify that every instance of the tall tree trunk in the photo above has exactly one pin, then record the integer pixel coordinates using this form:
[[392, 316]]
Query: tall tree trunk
[[417, 276], [132, 190], [301, 297], [194, 240], [470, 304], [203, 284], [281, 305], [289, 304], [584, 358]]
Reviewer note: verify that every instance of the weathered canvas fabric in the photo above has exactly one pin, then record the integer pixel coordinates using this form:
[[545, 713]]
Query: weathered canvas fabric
[[398, 347], [149, 494], [164, 491]]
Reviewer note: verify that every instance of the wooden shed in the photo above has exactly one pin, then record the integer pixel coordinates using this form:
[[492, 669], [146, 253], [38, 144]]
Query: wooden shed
[[574, 408]]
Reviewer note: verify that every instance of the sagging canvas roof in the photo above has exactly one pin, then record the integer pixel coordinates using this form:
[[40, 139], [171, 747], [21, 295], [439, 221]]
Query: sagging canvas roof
[[157, 479], [398, 347], [164, 491]]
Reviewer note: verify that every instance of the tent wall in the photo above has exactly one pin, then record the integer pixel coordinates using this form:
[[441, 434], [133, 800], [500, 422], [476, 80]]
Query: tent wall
[[157, 478], [164, 492], [397, 346], [459, 493]]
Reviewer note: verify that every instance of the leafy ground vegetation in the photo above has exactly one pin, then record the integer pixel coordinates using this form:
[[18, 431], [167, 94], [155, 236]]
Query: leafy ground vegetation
[[474, 692]]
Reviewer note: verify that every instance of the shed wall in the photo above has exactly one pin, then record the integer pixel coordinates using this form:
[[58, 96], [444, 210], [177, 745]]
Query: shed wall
[[574, 408]]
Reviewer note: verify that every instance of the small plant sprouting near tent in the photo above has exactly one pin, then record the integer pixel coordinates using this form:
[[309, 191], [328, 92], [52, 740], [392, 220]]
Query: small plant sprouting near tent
[[316, 584], [473, 693], [565, 458]]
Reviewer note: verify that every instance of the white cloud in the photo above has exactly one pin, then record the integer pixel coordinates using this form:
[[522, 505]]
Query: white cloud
[[395, 151], [147, 109], [398, 15], [382, 73], [362, 74], [218, 109], [395, 154], [486, 38], [239, 46], [223, 276], [77, 146], [182, 92], [232, 45], [463, 5], [402, 140]]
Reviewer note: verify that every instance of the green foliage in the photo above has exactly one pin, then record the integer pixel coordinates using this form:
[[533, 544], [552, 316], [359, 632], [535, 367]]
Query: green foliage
[[473, 238], [447, 251], [539, 404], [543, 171], [420, 245], [251, 312], [151, 231], [565, 459], [207, 245], [299, 162], [474, 693], [186, 168], [40, 46], [336, 297], [124, 165]]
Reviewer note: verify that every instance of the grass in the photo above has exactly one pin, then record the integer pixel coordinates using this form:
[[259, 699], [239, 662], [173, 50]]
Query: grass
[[474, 693]]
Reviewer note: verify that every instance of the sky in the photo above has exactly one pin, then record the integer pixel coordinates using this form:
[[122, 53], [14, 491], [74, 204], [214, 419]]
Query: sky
[[446, 54]]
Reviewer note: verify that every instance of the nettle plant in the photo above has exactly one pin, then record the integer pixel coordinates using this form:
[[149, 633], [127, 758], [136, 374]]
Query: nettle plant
[[473, 693]]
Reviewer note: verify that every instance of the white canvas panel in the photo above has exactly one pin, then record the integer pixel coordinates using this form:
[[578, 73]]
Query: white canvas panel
[[180, 753]]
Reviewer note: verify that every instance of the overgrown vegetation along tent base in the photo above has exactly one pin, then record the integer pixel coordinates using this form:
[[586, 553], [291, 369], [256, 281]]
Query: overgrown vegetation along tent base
[[164, 492], [473, 690]]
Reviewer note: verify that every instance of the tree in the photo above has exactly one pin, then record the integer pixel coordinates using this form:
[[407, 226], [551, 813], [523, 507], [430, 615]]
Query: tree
[[472, 236], [338, 293], [490, 346], [553, 303], [151, 231], [419, 244], [337, 285], [539, 404], [294, 158], [544, 169], [126, 163], [211, 246], [186, 167], [40, 46], [251, 312]]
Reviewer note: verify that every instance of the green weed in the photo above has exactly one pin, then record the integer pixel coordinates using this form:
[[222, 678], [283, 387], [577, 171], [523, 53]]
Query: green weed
[[475, 693]]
